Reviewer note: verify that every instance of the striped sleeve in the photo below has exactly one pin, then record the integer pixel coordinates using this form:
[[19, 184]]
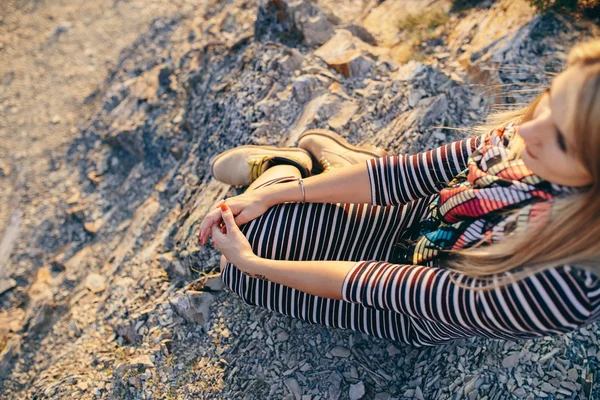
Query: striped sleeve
[[398, 179], [547, 303], [592, 282]]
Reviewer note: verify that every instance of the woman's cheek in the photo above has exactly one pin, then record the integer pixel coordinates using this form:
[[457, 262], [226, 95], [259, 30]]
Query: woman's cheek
[[555, 164]]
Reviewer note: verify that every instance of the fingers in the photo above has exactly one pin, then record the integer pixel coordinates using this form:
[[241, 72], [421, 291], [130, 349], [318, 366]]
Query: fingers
[[217, 204], [240, 219], [217, 235], [212, 218], [213, 230], [203, 230], [217, 212], [227, 216]]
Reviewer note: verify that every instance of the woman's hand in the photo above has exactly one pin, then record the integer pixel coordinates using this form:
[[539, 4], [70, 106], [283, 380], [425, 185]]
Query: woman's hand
[[231, 242], [244, 207]]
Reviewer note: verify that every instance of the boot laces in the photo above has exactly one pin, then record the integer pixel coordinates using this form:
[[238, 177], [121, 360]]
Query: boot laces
[[256, 167], [325, 164]]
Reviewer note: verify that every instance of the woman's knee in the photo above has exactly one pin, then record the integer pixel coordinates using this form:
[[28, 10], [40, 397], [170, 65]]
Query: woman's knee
[[260, 227], [222, 263], [229, 274], [235, 280]]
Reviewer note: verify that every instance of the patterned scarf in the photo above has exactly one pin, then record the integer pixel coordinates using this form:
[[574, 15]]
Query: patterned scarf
[[469, 208]]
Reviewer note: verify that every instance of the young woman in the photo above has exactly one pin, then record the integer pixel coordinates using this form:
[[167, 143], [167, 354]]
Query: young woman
[[495, 235]]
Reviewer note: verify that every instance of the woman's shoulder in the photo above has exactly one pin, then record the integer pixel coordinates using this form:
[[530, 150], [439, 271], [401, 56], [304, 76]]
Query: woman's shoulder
[[583, 281], [502, 134], [568, 289], [588, 276], [496, 143], [569, 281]]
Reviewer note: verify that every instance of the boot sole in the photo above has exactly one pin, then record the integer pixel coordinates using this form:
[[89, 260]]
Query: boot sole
[[304, 169], [374, 151]]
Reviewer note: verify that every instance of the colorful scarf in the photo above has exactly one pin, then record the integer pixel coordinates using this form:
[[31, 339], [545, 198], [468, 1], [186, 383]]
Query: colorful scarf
[[471, 206]]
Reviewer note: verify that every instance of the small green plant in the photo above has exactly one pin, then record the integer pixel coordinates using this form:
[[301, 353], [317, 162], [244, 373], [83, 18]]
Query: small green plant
[[418, 28], [429, 19]]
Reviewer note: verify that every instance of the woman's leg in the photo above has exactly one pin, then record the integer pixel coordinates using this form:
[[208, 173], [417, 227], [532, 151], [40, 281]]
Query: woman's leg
[[270, 176], [326, 231], [276, 171]]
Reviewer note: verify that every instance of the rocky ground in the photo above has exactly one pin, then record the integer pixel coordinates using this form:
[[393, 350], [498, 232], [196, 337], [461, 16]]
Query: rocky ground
[[109, 113]]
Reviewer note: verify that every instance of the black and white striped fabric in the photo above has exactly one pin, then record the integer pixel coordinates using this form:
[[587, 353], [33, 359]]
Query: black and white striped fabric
[[414, 304]]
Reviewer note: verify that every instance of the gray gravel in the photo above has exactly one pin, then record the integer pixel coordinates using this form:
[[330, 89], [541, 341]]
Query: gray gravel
[[126, 305]]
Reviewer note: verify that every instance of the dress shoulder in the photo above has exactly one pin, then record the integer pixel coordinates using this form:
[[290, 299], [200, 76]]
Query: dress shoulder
[[501, 135]]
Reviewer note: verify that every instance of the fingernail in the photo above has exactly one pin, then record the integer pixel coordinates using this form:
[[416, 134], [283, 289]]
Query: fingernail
[[224, 207], [224, 229]]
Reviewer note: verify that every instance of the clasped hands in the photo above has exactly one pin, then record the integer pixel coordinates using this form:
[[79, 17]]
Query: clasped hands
[[222, 223]]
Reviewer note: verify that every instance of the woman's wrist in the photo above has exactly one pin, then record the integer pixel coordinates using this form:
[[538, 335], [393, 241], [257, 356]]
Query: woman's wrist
[[283, 192], [253, 266]]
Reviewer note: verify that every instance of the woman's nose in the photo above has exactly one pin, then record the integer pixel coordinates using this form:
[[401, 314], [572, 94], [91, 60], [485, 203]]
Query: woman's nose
[[530, 131], [523, 130]]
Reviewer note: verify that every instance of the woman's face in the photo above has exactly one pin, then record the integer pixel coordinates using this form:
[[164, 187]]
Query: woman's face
[[548, 136]]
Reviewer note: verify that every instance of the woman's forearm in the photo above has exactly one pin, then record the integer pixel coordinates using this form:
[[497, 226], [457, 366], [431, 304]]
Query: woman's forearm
[[319, 278], [348, 184]]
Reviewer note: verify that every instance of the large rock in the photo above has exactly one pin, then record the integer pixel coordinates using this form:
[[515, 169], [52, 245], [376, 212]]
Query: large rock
[[382, 21], [129, 113], [306, 87], [95, 282], [127, 331], [173, 266], [483, 30], [290, 61], [345, 111], [193, 306], [128, 328], [292, 21], [412, 121], [128, 135], [346, 54], [487, 41]]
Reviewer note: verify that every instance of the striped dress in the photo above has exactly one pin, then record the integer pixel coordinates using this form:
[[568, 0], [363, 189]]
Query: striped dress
[[409, 303]]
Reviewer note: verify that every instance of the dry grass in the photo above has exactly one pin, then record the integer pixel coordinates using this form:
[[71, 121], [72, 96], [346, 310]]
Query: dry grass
[[416, 29], [403, 52], [426, 19]]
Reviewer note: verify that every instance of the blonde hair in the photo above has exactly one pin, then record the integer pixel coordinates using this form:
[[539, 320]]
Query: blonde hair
[[571, 235]]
